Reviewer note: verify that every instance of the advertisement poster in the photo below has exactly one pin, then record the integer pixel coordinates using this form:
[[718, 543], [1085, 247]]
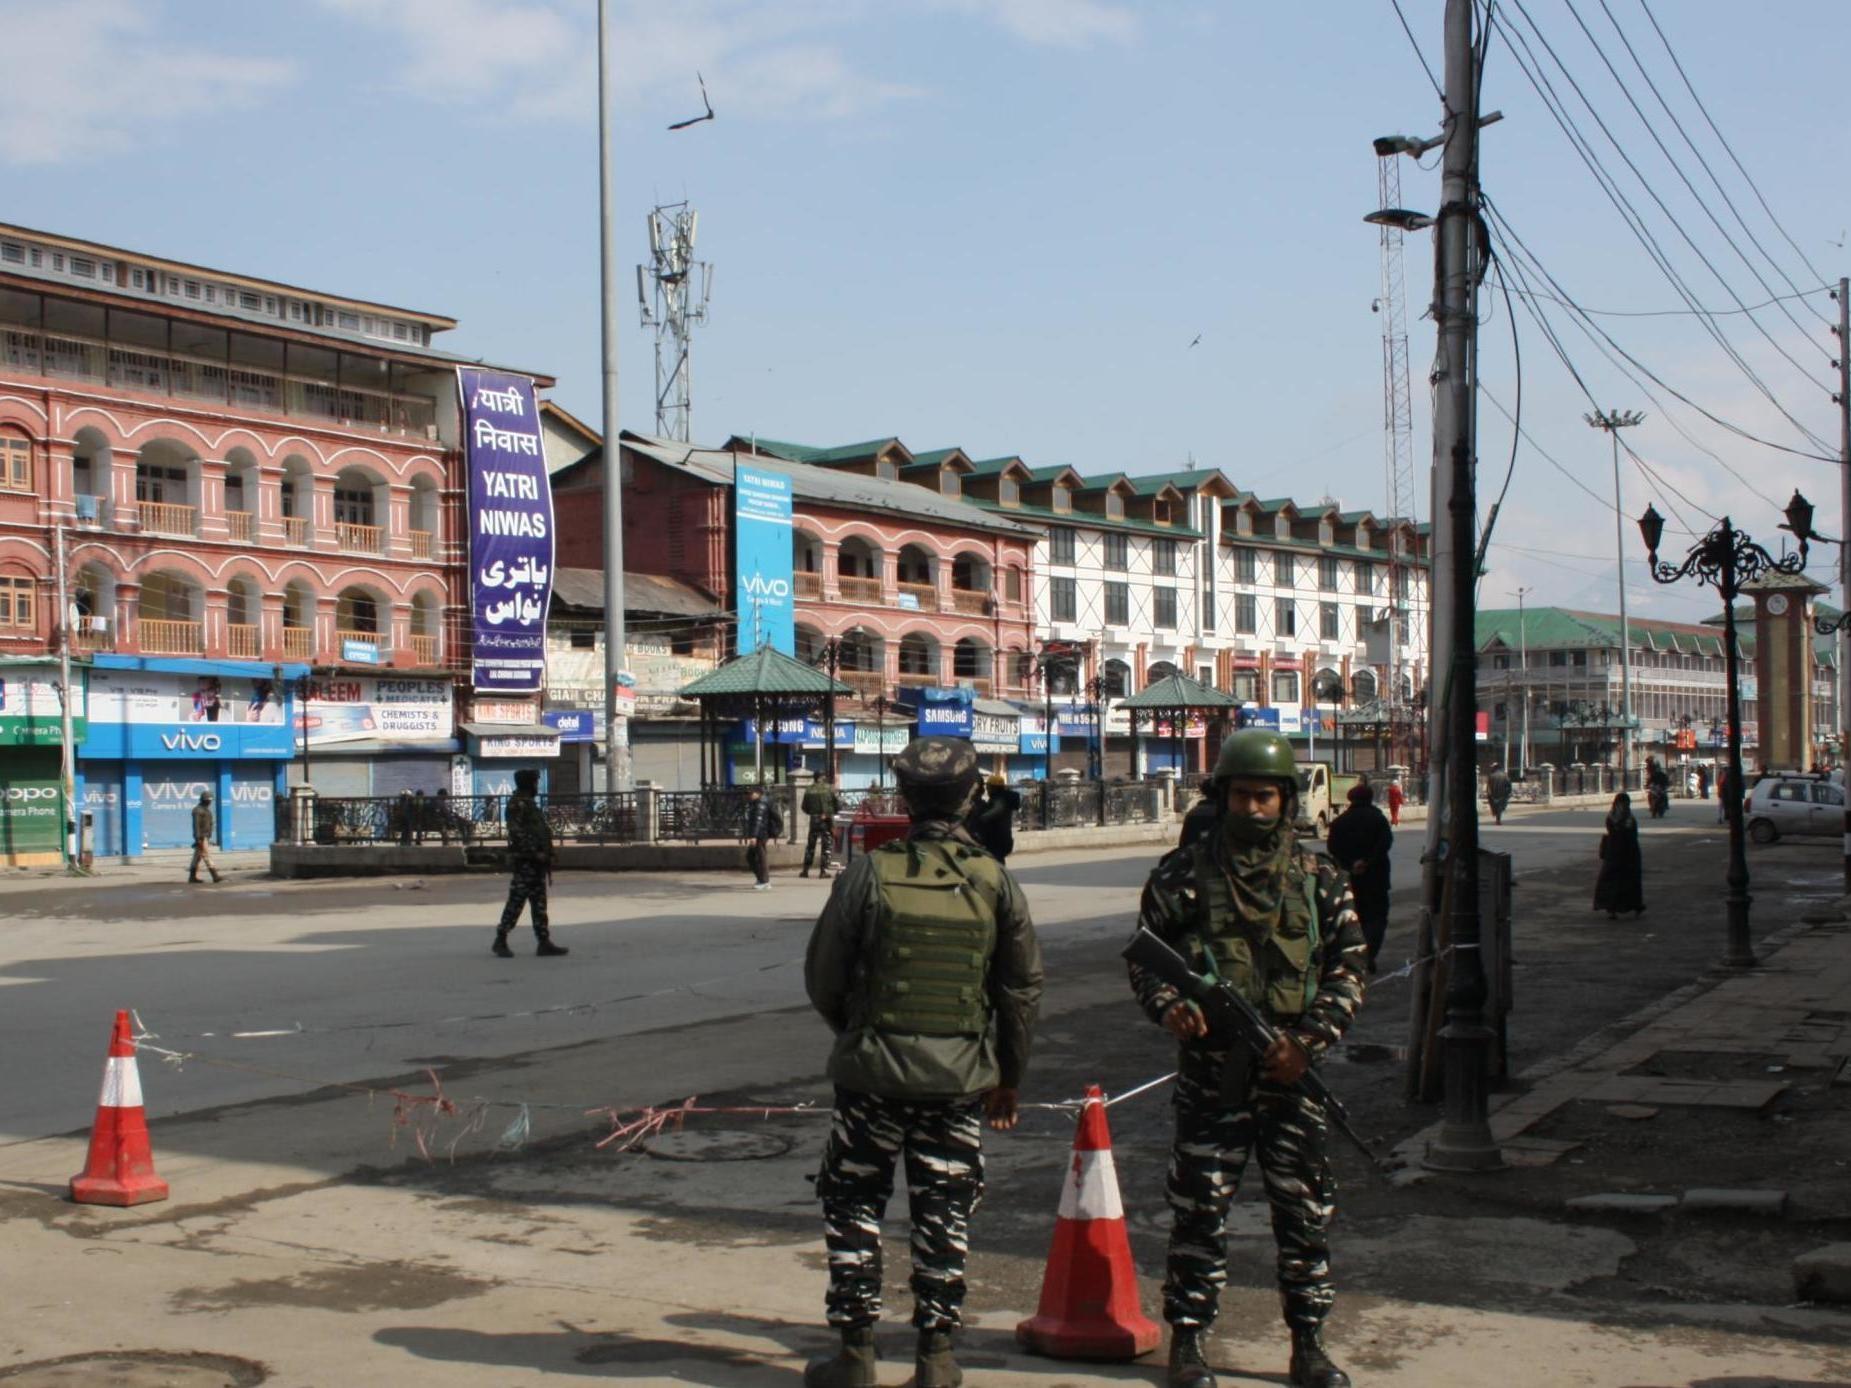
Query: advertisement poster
[[31, 821], [510, 530], [762, 558], [31, 712], [367, 707], [163, 714]]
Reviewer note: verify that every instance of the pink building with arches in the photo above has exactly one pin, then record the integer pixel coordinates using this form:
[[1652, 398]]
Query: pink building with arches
[[243, 476]]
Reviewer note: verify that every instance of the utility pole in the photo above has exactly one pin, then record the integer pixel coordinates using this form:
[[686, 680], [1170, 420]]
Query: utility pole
[[1843, 330], [616, 724], [67, 738], [1465, 1142], [1613, 421], [1523, 666]]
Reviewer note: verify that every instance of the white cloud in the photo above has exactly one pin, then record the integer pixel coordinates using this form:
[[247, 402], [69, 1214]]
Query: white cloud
[[537, 59], [88, 78], [1055, 23]]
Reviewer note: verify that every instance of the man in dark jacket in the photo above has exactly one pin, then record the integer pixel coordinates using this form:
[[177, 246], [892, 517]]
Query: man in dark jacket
[[1360, 839], [929, 1042], [530, 867], [992, 819], [762, 824]]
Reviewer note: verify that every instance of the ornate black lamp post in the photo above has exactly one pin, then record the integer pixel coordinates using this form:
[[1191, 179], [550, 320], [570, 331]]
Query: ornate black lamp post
[[1725, 559]]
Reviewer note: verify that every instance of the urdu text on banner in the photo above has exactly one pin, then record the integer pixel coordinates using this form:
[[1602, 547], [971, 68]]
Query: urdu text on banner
[[510, 530]]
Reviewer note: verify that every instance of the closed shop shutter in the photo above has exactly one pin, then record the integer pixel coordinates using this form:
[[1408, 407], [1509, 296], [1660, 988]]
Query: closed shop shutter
[[394, 774], [341, 776], [169, 791], [103, 800], [252, 822]]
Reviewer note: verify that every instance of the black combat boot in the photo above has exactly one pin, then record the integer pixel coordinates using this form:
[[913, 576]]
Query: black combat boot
[[1188, 1363], [548, 948], [933, 1366], [852, 1366], [1311, 1367], [500, 947]]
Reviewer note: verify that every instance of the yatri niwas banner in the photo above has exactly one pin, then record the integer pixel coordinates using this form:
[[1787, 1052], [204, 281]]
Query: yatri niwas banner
[[510, 530]]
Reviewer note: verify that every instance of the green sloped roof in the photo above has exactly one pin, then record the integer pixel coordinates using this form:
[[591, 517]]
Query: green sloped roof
[[1184, 480], [1082, 519], [766, 672], [810, 453], [1049, 471], [990, 467], [933, 457], [1561, 628], [1178, 691]]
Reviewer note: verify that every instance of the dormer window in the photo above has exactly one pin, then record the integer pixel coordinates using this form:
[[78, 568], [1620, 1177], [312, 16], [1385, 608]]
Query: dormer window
[[949, 484], [1009, 492], [1243, 523], [1327, 533], [1114, 506], [887, 470], [1063, 498], [1160, 512], [1282, 527]]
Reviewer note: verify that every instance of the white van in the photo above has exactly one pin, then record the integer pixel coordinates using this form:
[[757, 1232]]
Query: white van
[[1313, 797]]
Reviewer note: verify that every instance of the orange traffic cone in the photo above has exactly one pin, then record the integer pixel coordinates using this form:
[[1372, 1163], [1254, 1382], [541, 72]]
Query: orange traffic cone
[[120, 1170], [1089, 1295]]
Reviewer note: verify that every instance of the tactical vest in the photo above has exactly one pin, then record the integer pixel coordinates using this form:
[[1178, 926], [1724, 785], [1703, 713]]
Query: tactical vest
[[932, 943], [1280, 972]]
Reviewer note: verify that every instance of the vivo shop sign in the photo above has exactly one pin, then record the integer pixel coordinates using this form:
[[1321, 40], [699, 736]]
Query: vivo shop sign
[[155, 715]]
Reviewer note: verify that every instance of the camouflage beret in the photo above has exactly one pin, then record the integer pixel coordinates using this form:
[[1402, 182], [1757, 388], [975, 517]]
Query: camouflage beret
[[936, 761]]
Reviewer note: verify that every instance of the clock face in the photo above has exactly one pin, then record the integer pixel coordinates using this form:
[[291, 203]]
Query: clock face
[[1777, 605]]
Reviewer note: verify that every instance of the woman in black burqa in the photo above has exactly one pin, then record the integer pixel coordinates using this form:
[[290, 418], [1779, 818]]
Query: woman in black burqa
[[1620, 886]]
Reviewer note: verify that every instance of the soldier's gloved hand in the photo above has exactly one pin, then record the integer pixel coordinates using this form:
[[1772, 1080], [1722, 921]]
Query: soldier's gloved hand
[[1185, 1020], [1001, 1109], [1286, 1060]]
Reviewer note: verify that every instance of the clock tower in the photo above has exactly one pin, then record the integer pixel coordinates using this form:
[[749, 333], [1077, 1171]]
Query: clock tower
[[1783, 670]]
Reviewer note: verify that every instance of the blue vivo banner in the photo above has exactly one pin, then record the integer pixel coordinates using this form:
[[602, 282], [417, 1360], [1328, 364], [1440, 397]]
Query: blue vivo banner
[[510, 530], [762, 558]]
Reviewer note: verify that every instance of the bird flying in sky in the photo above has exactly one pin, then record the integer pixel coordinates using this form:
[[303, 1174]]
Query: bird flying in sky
[[696, 120], [1198, 338]]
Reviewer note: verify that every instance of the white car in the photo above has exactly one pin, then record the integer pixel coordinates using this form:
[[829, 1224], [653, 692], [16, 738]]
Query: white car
[[1778, 806]]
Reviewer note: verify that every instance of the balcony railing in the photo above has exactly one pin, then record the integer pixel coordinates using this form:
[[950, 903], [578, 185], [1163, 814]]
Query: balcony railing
[[69, 357], [298, 643], [93, 634], [364, 638], [168, 518], [296, 531], [923, 593], [160, 636], [360, 539], [979, 683], [241, 642], [242, 527], [916, 679], [808, 585], [971, 604], [424, 649], [859, 589], [866, 683], [423, 544]]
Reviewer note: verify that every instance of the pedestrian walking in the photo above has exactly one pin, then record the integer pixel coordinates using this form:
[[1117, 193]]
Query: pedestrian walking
[[1359, 842], [1497, 793], [1396, 797], [1275, 922], [205, 825], [992, 819], [1620, 885], [762, 824], [821, 804], [530, 860], [925, 965], [1703, 780], [1722, 794]]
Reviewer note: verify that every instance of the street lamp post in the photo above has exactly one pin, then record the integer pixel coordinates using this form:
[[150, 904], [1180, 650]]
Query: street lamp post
[[1725, 559], [1612, 422]]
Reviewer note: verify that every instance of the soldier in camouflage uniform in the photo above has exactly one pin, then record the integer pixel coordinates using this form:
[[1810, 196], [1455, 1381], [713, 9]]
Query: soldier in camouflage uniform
[[530, 856], [925, 965], [1244, 902]]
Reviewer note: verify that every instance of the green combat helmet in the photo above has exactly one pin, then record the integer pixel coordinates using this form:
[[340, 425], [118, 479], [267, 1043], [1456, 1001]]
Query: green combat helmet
[[937, 776], [1256, 752]]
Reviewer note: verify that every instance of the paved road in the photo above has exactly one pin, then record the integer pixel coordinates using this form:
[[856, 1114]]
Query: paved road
[[384, 980]]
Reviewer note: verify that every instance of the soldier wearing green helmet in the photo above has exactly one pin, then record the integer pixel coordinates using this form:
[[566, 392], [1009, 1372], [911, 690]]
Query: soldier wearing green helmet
[[1245, 903]]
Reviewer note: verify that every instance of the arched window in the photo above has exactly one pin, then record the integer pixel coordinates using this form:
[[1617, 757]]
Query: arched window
[[16, 461]]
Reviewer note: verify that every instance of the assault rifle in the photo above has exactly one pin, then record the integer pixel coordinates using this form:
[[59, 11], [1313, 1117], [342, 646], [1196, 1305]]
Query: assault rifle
[[1236, 1023]]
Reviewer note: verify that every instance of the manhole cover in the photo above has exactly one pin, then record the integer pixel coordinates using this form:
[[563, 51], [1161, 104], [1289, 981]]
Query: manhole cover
[[136, 1368], [718, 1146]]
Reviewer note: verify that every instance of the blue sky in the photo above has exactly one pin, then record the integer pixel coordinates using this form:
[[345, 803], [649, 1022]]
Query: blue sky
[[995, 223]]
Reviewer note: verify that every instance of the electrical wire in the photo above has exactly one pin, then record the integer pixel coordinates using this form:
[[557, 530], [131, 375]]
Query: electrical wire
[[1424, 65], [1681, 312], [1532, 68]]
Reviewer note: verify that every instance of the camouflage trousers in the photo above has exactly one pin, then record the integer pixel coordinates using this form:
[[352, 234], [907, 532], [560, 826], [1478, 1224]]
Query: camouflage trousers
[[943, 1146], [1213, 1142], [822, 832], [526, 884]]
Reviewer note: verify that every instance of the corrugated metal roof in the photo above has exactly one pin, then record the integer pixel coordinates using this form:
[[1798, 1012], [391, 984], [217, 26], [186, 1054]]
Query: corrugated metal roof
[[828, 486], [641, 593], [765, 671], [1178, 691]]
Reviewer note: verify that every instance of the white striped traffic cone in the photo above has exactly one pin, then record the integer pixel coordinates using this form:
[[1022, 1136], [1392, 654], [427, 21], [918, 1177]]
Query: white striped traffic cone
[[1089, 1295], [120, 1170]]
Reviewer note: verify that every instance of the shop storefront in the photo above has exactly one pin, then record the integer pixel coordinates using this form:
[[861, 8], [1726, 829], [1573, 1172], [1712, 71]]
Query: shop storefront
[[374, 735], [32, 810], [498, 750], [160, 732], [996, 733]]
